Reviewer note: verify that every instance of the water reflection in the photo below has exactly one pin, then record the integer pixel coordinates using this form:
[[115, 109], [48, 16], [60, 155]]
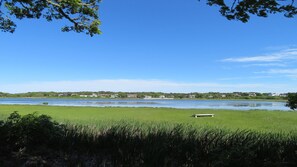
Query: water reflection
[[118, 102], [207, 104]]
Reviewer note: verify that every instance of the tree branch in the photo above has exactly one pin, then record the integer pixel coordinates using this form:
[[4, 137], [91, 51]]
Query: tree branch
[[60, 10], [232, 7], [53, 3], [24, 6], [82, 4]]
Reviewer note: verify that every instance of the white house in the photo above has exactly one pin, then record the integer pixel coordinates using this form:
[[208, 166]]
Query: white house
[[148, 97], [132, 95], [93, 95], [192, 96], [162, 97], [252, 94], [114, 96]]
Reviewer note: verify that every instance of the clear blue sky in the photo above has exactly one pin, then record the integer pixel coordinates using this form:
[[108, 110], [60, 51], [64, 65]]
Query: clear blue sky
[[168, 46]]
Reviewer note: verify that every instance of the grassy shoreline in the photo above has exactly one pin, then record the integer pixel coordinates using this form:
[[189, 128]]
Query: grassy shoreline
[[113, 136], [255, 120], [268, 100], [36, 140]]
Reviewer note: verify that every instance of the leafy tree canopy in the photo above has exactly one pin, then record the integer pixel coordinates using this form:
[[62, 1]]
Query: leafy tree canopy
[[292, 101], [242, 9], [83, 14]]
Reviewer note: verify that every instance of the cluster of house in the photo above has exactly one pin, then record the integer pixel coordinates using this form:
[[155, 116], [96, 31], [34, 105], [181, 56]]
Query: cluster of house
[[278, 94], [169, 96], [160, 97], [113, 96], [251, 94], [94, 95]]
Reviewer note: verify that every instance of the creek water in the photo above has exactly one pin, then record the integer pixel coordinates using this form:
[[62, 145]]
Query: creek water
[[186, 104]]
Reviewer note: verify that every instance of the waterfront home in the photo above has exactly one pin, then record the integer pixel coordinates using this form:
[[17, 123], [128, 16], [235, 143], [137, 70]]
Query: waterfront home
[[162, 97], [104, 95], [132, 96], [83, 95], [192, 96], [148, 97], [252, 94], [93, 95], [114, 96]]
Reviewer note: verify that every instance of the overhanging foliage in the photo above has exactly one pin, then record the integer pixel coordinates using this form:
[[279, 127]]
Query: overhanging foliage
[[83, 14]]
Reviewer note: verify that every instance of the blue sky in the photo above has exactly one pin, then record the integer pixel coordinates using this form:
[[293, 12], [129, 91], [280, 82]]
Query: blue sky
[[168, 46]]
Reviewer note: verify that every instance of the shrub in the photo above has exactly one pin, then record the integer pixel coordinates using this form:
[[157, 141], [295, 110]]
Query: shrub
[[292, 101], [30, 130]]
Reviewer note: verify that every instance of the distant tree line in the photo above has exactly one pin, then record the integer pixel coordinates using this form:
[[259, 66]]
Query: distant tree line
[[141, 95]]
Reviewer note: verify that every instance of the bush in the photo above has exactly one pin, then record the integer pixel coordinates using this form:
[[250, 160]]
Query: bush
[[292, 101], [30, 130]]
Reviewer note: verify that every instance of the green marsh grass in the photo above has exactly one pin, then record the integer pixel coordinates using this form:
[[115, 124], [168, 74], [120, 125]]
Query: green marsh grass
[[255, 120], [138, 144]]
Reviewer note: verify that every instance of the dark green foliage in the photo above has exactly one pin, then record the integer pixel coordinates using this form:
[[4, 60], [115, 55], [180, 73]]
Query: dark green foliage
[[82, 14], [292, 101], [33, 139], [30, 130], [242, 9]]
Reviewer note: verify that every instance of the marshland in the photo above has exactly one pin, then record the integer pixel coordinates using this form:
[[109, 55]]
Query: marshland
[[116, 136]]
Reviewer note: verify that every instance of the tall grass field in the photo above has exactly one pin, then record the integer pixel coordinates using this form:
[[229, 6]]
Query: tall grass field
[[89, 136], [255, 120]]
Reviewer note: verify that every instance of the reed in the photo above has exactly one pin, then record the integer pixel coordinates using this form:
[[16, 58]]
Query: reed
[[138, 144]]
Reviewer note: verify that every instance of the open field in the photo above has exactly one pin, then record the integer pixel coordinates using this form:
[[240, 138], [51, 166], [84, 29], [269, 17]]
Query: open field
[[256, 120]]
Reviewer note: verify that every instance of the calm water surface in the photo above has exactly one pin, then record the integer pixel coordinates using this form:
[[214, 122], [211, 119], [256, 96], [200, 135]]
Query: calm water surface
[[198, 104]]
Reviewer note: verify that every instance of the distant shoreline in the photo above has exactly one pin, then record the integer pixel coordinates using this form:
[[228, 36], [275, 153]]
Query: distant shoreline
[[94, 98]]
